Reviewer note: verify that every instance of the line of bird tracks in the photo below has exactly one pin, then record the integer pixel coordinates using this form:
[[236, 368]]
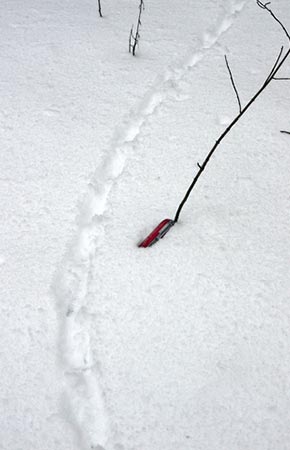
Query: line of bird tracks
[[82, 377]]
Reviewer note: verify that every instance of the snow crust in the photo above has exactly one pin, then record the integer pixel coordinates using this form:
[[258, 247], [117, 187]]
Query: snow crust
[[106, 346]]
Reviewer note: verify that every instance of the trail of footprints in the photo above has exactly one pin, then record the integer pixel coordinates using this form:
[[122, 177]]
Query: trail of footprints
[[83, 387]]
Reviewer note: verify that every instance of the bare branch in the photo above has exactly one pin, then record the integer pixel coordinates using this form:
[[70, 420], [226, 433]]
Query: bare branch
[[134, 39], [233, 84], [265, 6], [280, 79], [286, 132], [278, 63], [275, 65], [100, 8]]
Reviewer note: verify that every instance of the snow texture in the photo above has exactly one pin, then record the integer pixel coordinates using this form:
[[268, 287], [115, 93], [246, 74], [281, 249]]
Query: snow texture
[[106, 346]]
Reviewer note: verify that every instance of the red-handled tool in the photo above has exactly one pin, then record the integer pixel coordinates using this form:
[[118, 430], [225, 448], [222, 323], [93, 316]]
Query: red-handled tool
[[158, 233]]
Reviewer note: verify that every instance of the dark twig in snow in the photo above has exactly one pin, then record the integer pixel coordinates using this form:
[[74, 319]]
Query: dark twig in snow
[[276, 63], [233, 84], [265, 6], [286, 132], [280, 79], [100, 8], [276, 67], [134, 39]]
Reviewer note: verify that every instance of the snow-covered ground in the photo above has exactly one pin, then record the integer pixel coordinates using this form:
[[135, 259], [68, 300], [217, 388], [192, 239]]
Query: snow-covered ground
[[105, 346]]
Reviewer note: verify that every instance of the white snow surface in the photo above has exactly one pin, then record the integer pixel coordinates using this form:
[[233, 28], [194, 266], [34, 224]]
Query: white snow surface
[[106, 346]]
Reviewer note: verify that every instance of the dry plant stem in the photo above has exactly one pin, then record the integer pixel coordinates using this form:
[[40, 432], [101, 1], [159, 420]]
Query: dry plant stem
[[233, 84], [100, 8], [265, 6], [222, 136], [135, 39], [286, 132], [276, 67]]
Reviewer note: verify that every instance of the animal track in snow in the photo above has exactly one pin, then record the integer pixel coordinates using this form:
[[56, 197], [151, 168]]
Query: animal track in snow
[[83, 384]]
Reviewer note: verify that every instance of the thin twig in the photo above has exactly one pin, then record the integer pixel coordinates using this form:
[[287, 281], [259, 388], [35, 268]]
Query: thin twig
[[286, 132], [265, 6], [135, 39], [100, 8], [233, 84], [276, 63], [281, 79], [276, 67], [226, 131]]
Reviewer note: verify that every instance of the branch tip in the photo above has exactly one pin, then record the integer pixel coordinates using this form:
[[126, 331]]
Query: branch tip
[[233, 84]]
